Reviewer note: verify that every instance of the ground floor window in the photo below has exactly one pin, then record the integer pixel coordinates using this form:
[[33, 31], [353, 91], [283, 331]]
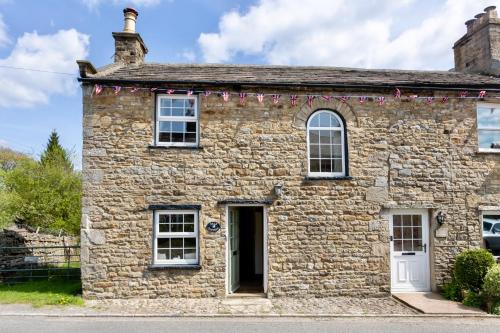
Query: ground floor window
[[176, 237], [491, 231]]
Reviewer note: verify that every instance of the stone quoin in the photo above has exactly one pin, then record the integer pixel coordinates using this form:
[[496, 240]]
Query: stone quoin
[[331, 197]]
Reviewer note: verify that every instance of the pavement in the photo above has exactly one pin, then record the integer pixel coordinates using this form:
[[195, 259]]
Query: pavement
[[247, 325], [433, 303]]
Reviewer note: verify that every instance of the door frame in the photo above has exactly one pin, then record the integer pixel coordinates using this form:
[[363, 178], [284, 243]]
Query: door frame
[[425, 221], [264, 244]]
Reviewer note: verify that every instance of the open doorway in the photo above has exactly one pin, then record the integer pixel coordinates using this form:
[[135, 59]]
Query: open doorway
[[246, 249]]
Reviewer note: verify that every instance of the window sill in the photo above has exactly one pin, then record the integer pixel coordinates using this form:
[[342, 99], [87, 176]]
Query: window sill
[[176, 147], [488, 151], [158, 267], [328, 178]]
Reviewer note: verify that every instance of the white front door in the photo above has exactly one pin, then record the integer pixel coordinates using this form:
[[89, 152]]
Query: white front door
[[409, 232], [234, 249]]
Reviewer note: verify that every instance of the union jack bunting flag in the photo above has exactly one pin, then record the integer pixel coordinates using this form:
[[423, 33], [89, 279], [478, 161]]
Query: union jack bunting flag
[[97, 89], [381, 100], [344, 99], [225, 96], [207, 93], [294, 99], [189, 92], [260, 97], [276, 98], [243, 98], [327, 98], [170, 91], [134, 89], [310, 100], [362, 99], [413, 97], [429, 100], [117, 89], [154, 89], [463, 94], [482, 93], [397, 93], [445, 99]]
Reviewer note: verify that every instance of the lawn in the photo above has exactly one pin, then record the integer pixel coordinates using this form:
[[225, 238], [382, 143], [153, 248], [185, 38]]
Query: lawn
[[39, 293]]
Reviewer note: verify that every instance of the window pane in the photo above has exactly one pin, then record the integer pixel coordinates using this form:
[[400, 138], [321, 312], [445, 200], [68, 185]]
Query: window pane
[[189, 112], [417, 220], [314, 136], [163, 243], [165, 102], [190, 126], [164, 137], [314, 165], [176, 228], [326, 151], [336, 137], [190, 137], [314, 121], [324, 119], [397, 233], [407, 246], [337, 151], [165, 126], [407, 220], [177, 254], [163, 254], [165, 112], [178, 103], [177, 112], [337, 165], [417, 232], [396, 220], [314, 151], [406, 232], [189, 253], [324, 137], [326, 165], [164, 218], [177, 218], [190, 242], [417, 245], [489, 139], [178, 126], [176, 243], [188, 218], [189, 227], [164, 227], [334, 122], [398, 245], [488, 117]]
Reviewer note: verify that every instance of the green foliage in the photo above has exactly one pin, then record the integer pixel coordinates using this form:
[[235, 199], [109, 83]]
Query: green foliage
[[470, 268], [495, 309], [473, 299], [55, 155], [491, 285], [43, 194], [38, 293], [452, 291]]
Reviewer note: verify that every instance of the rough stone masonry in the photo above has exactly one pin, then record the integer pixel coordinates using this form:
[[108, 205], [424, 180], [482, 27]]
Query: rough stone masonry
[[326, 237]]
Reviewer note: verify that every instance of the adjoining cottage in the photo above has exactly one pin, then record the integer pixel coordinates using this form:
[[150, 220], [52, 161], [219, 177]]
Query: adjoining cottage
[[208, 180]]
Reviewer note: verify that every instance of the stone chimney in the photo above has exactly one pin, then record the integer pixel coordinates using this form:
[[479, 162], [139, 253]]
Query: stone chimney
[[129, 46], [478, 51]]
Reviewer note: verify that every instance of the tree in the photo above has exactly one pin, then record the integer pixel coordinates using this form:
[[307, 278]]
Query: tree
[[55, 155]]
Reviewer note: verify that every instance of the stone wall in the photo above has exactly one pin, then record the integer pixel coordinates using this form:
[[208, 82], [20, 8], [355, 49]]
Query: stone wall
[[325, 237]]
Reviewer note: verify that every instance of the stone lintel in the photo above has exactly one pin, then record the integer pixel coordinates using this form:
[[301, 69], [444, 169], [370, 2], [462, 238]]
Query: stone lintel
[[245, 202], [174, 207]]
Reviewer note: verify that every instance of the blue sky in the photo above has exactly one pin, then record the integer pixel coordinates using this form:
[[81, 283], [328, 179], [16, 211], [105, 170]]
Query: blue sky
[[51, 34]]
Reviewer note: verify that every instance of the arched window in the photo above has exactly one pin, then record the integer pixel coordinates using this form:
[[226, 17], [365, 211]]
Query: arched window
[[326, 147]]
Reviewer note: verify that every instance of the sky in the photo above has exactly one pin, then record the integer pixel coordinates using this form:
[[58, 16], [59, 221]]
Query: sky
[[50, 35]]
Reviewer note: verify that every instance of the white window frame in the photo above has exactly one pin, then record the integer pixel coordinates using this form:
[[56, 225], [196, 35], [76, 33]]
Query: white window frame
[[343, 147], [493, 129], [482, 214], [159, 118], [157, 234]]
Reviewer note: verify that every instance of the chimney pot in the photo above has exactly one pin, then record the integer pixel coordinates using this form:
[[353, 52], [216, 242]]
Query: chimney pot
[[130, 17], [470, 24], [491, 12], [478, 16], [490, 8]]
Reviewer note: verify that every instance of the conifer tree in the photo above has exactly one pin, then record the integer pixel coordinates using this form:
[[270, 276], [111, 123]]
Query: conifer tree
[[55, 155]]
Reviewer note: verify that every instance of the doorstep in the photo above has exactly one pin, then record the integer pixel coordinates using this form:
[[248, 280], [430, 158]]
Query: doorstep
[[433, 303]]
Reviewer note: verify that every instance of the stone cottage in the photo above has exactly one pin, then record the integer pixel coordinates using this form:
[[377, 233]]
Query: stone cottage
[[209, 180]]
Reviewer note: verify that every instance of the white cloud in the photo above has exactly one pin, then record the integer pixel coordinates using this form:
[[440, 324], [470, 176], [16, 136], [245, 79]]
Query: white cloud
[[188, 55], [56, 53], [93, 4], [4, 143], [369, 34], [4, 37]]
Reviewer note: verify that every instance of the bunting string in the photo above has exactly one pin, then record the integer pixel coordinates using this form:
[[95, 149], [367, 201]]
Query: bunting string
[[295, 99]]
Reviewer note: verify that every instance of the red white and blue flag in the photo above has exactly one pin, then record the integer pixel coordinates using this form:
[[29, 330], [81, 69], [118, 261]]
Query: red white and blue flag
[[97, 89], [397, 93], [482, 93], [310, 100], [225, 96], [381, 100], [276, 98], [260, 97], [243, 98], [362, 99], [117, 89], [294, 99]]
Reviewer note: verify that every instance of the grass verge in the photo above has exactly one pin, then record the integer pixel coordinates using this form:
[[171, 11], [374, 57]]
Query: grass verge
[[39, 293]]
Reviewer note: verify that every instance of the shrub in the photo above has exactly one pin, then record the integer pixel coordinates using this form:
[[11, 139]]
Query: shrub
[[473, 299], [491, 285], [452, 291], [471, 267], [495, 309]]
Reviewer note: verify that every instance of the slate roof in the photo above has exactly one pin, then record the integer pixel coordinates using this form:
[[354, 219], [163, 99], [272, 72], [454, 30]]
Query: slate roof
[[288, 76]]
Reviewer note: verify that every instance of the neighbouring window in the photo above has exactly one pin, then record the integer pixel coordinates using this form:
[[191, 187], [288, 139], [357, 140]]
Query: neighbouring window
[[176, 237], [491, 231], [326, 146], [177, 120], [488, 127]]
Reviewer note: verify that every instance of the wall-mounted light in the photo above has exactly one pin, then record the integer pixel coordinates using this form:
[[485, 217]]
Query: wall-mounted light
[[278, 190], [440, 217]]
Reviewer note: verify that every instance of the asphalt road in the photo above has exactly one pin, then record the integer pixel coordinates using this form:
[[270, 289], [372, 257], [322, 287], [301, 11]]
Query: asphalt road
[[223, 325]]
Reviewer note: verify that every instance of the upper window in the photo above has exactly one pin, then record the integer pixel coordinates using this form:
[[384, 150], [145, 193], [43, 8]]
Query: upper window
[[326, 146], [176, 237], [488, 127], [177, 120]]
